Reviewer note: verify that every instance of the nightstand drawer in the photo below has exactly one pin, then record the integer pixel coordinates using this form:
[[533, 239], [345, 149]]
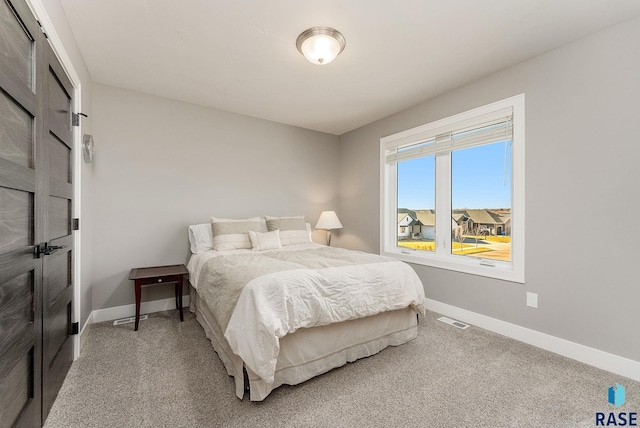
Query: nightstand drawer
[[159, 280]]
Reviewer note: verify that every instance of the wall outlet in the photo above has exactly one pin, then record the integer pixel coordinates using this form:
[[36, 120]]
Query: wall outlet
[[532, 300]]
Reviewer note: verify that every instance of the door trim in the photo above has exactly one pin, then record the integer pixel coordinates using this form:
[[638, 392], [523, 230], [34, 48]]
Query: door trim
[[39, 11]]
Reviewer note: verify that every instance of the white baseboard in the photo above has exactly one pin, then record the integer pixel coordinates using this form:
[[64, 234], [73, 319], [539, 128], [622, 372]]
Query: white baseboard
[[594, 357], [125, 311], [84, 333]]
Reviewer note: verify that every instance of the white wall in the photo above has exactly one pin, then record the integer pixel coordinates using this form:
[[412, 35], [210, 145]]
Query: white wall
[[161, 165], [582, 151]]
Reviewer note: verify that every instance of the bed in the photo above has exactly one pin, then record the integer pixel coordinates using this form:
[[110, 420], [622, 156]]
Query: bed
[[282, 314]]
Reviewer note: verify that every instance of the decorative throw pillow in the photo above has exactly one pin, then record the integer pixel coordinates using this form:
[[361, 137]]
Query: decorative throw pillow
[[265, 241], [293, 230], [232, 234]]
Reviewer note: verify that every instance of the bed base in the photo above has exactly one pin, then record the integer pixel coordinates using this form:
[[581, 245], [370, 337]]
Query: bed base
[[310, 351]]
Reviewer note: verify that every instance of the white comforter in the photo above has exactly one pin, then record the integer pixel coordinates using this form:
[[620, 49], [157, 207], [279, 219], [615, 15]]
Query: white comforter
[[349, 285]]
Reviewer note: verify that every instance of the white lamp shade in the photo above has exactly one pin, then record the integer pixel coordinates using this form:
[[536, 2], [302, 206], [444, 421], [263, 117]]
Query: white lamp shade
[[328, 220]]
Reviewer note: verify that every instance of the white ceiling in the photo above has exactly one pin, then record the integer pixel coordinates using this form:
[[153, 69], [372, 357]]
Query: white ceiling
[[240, 55]]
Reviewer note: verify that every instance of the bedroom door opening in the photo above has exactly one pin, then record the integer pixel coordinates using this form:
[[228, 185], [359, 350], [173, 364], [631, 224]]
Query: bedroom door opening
[[36, 237]]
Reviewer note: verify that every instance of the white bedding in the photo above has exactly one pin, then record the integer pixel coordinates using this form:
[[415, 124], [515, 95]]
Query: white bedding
[[347, 286], [197, 261]]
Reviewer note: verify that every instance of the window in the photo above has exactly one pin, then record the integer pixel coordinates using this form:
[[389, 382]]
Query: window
[[453, 192]]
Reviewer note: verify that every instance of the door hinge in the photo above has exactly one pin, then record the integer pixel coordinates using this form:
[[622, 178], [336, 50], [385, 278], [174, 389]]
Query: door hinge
[[42, 29], [75, 225], [74, 328], [75, 121]]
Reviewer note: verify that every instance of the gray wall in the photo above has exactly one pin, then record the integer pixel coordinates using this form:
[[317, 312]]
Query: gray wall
[[161, 165], [59, 20], [582, 175]]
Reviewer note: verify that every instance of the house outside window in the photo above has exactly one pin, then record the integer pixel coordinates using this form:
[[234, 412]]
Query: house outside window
[[453, 192]]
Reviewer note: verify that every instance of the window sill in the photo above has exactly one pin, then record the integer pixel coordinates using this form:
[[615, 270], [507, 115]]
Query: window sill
[[473, 266]]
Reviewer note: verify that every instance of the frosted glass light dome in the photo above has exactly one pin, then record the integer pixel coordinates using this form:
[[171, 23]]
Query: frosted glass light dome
[[320, 45]]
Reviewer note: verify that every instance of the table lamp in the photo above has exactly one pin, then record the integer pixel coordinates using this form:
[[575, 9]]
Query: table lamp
[[328, 221]]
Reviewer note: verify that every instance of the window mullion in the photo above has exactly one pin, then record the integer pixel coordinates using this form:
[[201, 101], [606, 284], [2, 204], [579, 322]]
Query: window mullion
[[443, 203]]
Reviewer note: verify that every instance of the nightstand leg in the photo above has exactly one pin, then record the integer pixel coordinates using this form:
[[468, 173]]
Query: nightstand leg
[[176, 291], [138, 296], [179, 296]]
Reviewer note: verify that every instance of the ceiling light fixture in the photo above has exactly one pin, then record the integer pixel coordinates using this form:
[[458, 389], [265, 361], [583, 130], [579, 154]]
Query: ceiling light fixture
[[320, 45]]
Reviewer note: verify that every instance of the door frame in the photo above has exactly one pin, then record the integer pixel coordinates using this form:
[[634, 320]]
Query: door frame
[[39, 11]]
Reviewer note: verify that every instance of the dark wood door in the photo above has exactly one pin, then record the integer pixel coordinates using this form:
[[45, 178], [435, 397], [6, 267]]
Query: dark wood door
[[20, 271], [35, 201], [57, 202]]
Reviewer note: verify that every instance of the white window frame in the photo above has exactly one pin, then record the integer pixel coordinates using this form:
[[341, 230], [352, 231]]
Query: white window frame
[[442, 257]]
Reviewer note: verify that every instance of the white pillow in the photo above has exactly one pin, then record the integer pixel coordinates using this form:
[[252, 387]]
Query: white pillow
[[265, 241], [285, 223], [292, 237], [293, 229], [200, 238], [258, 218], [233, 234]]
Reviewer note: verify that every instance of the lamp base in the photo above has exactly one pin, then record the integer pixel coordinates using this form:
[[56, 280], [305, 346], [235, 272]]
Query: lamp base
[[328, 238]]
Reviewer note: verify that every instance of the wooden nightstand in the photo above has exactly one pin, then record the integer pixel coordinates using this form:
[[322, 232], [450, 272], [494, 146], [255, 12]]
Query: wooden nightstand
[[158, 275]]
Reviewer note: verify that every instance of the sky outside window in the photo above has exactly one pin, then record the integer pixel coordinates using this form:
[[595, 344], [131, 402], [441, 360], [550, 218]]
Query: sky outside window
[[478, 179], [416, 183]]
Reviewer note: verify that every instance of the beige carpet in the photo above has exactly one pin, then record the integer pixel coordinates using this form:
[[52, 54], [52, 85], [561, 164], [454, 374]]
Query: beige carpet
[[167, 374]]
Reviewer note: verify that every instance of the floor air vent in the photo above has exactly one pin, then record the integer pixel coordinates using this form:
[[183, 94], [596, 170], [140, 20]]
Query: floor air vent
[[128, 320], [454, 323]]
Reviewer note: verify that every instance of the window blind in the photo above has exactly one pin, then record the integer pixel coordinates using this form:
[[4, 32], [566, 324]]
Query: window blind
[[489, 128]]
